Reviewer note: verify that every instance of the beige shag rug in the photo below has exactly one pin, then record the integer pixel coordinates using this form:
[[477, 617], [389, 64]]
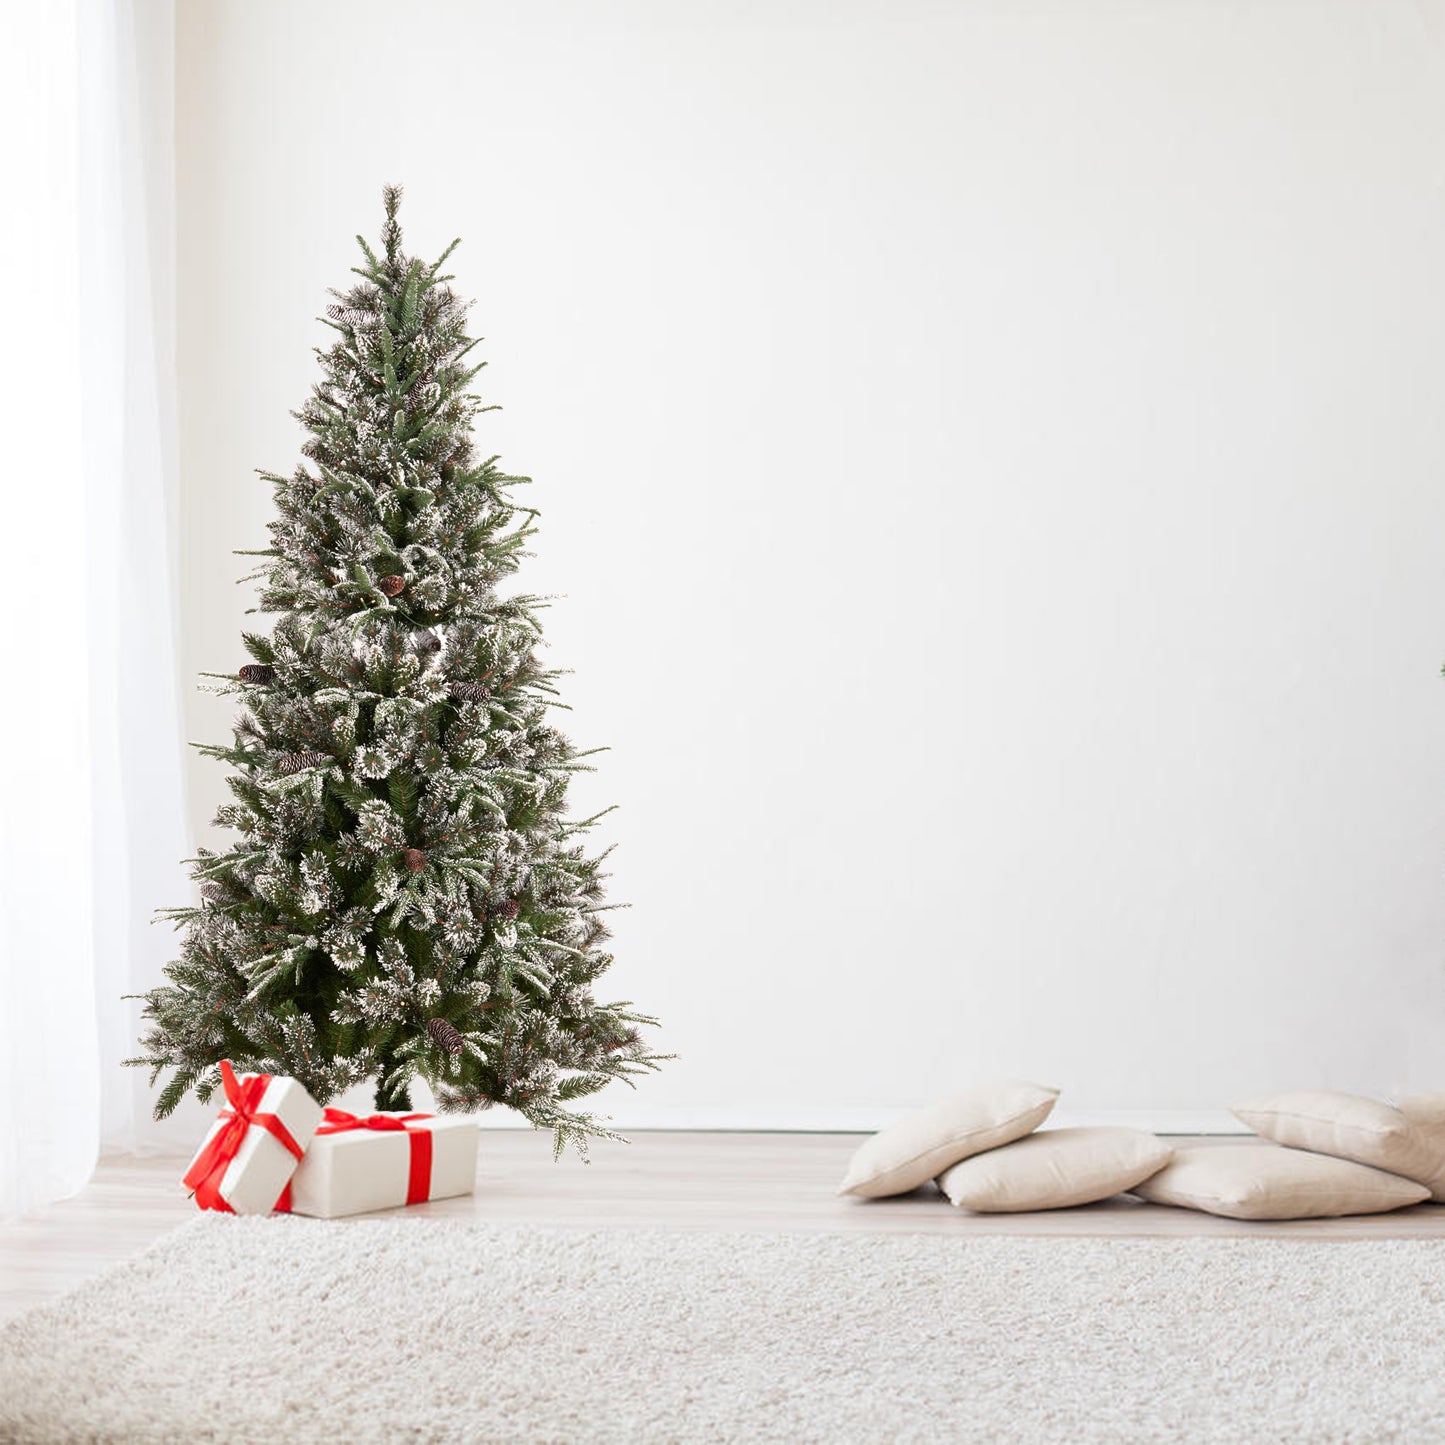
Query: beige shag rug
[[413, 1330]]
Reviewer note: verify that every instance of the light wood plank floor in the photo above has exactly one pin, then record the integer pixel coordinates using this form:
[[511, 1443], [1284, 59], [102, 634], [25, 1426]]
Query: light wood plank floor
[[661, 1180]]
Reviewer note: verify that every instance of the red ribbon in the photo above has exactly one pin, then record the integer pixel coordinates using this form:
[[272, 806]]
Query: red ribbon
[[244, 1098], [418, 1183]]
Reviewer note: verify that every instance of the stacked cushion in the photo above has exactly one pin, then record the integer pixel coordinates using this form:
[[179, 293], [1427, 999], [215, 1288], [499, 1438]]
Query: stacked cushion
[[915, 1148], [1427, 1113], [1055, 1169], [1410, 1143], [1342, 1154], [1425, 1109], [1260, 1181]]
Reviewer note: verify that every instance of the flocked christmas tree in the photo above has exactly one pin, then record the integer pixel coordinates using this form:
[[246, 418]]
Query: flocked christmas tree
[[405, 895]]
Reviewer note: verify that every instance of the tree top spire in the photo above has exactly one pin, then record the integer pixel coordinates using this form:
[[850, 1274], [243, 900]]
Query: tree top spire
[[391, 230]]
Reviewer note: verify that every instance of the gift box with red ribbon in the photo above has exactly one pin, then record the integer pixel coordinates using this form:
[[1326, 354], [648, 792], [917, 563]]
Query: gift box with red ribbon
[[253, 1148], [380, 1161]]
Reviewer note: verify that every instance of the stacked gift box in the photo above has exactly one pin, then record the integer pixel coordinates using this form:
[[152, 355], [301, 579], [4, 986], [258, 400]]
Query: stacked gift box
[[275, 1148]]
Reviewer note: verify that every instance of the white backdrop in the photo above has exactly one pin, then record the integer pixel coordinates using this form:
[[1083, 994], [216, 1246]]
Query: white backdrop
[[994, 456]]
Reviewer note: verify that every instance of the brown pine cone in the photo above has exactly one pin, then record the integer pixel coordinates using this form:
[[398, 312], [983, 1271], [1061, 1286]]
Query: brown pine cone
[[445, 1036], [256, 672], [414, 859], [510, 909], [214, 893], [468, 692], [392, 585], [294, 762]]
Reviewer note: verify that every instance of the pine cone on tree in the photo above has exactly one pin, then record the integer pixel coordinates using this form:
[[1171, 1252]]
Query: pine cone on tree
[[214, 893], [414, 859], [426, 641], [468, 692], [290, 763], [258, 672], [510, 909], [445, 1036], [392, 586]]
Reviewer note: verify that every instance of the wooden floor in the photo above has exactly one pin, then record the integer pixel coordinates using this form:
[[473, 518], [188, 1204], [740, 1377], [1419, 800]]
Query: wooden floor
[[661, 1180]]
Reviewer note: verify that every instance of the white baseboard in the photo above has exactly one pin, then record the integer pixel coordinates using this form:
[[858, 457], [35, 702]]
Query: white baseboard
[[864, 1120]]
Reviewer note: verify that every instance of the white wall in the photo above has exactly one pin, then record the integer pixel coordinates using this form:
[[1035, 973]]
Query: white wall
[[995, 456]]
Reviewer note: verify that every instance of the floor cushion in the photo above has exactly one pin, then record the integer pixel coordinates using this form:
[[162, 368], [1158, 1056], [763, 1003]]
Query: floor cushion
[[1352, 1127], [920, 1145], [1265, 1181], [1427, 1112], [1054, 1169]]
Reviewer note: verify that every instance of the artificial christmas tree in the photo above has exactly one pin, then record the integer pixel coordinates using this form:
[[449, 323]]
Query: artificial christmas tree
[[406, 896]]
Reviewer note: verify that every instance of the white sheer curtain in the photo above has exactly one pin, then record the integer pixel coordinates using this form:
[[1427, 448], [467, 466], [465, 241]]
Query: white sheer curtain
[[91, 806]]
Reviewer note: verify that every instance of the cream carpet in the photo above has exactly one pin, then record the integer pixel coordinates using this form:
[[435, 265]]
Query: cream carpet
[[408, 1329]]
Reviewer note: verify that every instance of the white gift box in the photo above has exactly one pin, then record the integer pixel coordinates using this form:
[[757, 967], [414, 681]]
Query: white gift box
[[253, 1148], [357, 1166]]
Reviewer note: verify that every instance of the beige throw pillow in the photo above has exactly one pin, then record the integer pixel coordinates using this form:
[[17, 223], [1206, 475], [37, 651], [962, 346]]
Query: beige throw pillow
[[1054, 1169], [1427, 1113], [1427, 1109], [1262, 1181], [1351, 1127], [913, 1149]]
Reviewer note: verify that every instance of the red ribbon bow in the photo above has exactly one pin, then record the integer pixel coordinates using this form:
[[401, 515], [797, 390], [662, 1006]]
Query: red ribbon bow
[[338, 1121], [244, 1098], [418, 1183]]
